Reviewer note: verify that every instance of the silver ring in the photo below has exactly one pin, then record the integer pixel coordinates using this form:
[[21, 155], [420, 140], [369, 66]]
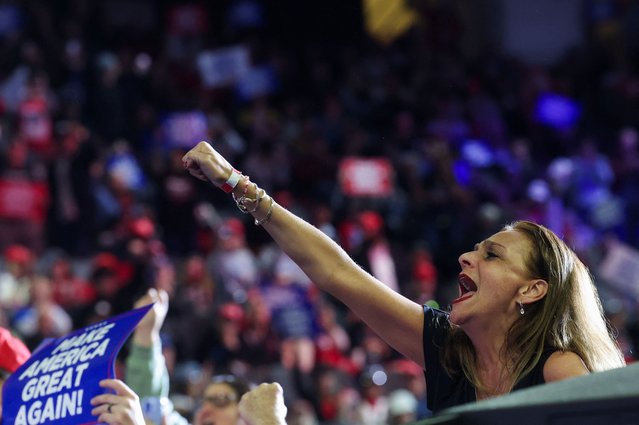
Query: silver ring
[[109, 408]]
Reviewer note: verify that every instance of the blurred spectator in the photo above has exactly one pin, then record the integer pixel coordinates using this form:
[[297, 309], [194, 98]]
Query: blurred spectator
[[313, 168], [373, 407], [70, 290], [617, 314], [107, 274], [197, 288], [521, 168], [121, 187], [591, 186], [226, 342], [372, 350], [43, 318], [71, 219], [262, 349], [176, 200], [16, 278], [301, 412], [108, 104], [332, 343], [289, 299], [402, 407], [626, 168], [422, 286], [374, 253], [124, 169], [233, 264], [410, 377], [35, 122], [74, 88], [334, 397], [323, 219], [24, 197], [192, 306]]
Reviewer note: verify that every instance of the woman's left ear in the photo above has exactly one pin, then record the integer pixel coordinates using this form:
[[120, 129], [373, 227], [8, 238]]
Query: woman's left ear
[[535, 290]]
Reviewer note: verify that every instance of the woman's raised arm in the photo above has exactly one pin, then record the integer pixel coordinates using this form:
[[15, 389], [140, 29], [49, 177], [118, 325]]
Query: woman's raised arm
[[395, 318]]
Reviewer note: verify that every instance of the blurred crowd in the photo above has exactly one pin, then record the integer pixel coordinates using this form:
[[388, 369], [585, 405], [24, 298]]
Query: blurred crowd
[[100, 100]]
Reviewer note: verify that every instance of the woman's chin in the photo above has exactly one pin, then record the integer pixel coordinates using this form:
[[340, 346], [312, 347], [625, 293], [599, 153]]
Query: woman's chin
[[459, 315], [456, 317]]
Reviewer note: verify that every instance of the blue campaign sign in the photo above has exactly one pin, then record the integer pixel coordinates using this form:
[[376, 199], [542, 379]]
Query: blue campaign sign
[[57, 383]]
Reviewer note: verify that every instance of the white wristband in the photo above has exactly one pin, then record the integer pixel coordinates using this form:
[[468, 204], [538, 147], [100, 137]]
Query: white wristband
[[232, 181]]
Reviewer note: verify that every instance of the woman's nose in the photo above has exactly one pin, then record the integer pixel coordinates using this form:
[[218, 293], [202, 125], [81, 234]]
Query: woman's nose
[[465, 259]]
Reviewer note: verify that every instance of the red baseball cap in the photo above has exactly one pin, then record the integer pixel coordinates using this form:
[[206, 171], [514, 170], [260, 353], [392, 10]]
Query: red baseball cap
[[13, 352], [232, 227], [371, 221], [18, 254]]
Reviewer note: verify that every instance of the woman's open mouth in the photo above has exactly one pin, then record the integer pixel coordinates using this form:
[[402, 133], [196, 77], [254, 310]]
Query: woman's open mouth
[[467, 288]]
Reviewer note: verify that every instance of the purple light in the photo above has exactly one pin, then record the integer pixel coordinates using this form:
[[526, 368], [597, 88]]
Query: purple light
[[557, 111]]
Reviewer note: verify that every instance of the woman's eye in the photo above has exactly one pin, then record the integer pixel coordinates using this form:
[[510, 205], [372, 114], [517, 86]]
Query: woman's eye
[[490, 255]]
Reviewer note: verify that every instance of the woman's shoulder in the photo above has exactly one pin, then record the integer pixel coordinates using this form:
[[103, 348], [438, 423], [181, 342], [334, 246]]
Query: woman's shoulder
[[436, 317], [554, 365], [563, 365]]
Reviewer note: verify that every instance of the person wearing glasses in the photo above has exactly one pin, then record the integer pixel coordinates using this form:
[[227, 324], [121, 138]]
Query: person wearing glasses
[[220, 401], [262, 405], [227, 400]]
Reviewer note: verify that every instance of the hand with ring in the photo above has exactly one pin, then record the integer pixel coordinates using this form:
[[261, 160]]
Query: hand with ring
[[121, 407]]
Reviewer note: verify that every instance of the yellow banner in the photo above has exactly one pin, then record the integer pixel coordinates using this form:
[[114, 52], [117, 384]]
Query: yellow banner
[[386, 20]]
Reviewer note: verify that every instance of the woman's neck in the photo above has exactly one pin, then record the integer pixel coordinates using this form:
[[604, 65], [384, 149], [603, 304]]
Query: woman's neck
[[494, 382], [491, 365]]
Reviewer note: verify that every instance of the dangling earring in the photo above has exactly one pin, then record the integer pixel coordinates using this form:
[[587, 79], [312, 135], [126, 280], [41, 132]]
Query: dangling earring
[[521, 308]]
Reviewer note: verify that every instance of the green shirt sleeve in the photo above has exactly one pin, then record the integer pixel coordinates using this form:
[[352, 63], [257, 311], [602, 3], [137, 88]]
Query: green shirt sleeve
[[146, 371], [147, 375]]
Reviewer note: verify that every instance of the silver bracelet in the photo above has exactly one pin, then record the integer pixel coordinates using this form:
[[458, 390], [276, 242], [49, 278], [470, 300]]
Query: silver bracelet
[[243, 202], [269, 213]]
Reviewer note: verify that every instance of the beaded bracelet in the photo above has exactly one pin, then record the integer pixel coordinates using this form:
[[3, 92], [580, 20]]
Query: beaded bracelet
[[243, 201], [269, 213], [243, 195]]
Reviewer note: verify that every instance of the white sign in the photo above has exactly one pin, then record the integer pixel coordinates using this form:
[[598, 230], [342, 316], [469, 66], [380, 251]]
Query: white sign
[[223, 67]]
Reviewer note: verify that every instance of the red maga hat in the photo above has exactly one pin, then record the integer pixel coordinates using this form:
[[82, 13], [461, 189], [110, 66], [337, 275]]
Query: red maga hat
[[18, 254], [13, 352]]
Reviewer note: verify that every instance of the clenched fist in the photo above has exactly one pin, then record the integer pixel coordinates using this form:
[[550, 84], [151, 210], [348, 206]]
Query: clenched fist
[[264, 405], [207, 164]]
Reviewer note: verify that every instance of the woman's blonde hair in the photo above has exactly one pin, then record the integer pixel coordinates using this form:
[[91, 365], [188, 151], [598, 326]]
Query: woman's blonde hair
[[569, 318]]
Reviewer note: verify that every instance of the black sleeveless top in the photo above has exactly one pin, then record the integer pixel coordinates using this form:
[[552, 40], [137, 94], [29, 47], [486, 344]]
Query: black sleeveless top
[[442, 391]]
